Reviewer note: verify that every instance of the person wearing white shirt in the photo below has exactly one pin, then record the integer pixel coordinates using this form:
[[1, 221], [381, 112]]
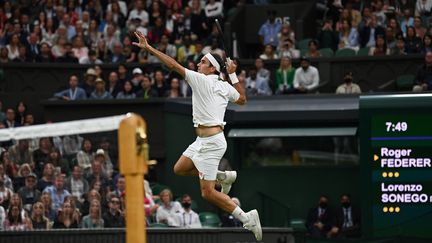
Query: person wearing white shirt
[[168, 212], [210, 97], [188, 218], [348, 87], [306, 77], [139, 13]]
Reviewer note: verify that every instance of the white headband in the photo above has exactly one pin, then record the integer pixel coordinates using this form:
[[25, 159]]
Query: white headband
[[213, 61]]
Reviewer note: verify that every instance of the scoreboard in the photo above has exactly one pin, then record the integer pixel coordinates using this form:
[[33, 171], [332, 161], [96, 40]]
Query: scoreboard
[[396, 169]]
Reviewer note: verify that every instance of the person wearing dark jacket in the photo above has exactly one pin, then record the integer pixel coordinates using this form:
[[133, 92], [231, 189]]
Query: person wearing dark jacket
[[347, 219], [320, 220]]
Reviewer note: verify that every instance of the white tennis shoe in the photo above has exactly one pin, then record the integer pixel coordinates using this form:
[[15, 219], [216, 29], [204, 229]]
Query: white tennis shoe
[[230, 177], [254, 224]]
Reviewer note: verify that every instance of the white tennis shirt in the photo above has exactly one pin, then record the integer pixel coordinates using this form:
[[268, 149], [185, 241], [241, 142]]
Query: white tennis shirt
[[210, 97]]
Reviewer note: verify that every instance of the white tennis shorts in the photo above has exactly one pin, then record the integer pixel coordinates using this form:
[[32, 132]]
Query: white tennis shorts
[[206, 154]]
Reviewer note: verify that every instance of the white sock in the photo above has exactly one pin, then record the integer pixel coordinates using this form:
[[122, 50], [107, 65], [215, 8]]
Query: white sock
[[240, 215], [221, 175]]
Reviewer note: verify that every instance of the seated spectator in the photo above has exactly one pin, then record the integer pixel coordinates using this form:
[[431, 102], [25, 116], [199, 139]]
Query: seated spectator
[[76, 184], [347, 219], [256, 85], [40, 155], [100, 93], [406, 20], [4, 55], [380, 48], [412, 42], [423, 79], [285, 77], [5, 194], [47, 177], [137, 79], [74, 92], [228, 220], [288, 50], [94, 219], [167, 212], [6, 179], [114, 86], [113, 217], [117, 55], [285, 34], [68, 56], [22, 55], [127, 92], [92, 58], [371, 26], [348, 36], [45, 199], [97, 175], [10, 167], [268, 32], [20, 153], [269, 53], [90, 196], [188, 218], [261, 70], [348, 87], [427, 44], [103, 158], [85, 156], [15, 222], [13, 47], [213, 48], [10, 121], [399, 49], [418, 26], [147, 90], [60, 164], [313, 49], [66, 217], [174, 91], [45, 55], [306, 77], [138, 12], [327, 37], [160, 83], [38, 219], [320, 219], [29, 193], [21, 111], [57, 192]]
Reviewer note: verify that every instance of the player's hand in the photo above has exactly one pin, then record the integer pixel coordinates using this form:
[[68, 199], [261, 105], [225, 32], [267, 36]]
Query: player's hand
[[142, 40], [231, 66]]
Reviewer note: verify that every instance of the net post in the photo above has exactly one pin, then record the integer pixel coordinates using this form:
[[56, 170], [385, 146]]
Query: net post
[[133, 152]]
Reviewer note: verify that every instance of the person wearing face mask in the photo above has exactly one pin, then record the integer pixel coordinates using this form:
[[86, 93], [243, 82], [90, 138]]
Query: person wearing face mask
[[320, 220], [347, 219], [188, 218], [306, 77], [348, 87]]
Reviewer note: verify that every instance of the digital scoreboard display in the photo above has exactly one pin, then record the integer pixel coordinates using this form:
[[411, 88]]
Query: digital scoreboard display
[[396, 167]]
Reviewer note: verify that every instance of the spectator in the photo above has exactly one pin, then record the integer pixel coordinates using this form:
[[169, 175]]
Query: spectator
[[5, 193], [47, 202], [57, 192], [147, 90], [423, 7], [21, 112], [188, 218], [288, 50], [261, 70], [114, 86], [348, 36], [120, 187], [29, 193], [137, 79], [380, 48], [127, 92], [47, 177], [156, 32], [76, 184], [103, 158], [399, 49], [418, 26], [97, 174], [138, 12], [285, 34], [33, 47], [94, 219], [4, 55], [347, 219], [306, 77], [19, 180], [285, 77], [269, 30], [228, 220], [61, 165], [10, 167], [348, 87], [369, 32], [91, 59], [117, 54], [89, 81], [423, 79], [2, 218], [268, 53], [13, 47], [256, 85], [427, 44], [320, 219], [85, 156], [327, 37], [213, 48], [412, 42], [38, 219], [113, 218], [66, 218], [167, 212], [91, 195], [188, 50], [406, 21], [313, 49], [10, 119], [74, 92], [20, 153], [45, 55], [14, 221], [22, 55], [160, 83], [40, 155], [100, 93], [174, 91], [68, 56], [390, 38]]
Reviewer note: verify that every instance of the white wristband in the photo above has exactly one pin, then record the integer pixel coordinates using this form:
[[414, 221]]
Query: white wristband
[[233, 78]]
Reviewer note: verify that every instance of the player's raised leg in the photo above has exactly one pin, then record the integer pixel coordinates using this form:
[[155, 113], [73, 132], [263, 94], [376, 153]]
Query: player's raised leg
[[185, 167]]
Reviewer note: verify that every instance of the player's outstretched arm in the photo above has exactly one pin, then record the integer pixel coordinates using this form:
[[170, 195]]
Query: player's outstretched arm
[[231, 68], [165, 59]]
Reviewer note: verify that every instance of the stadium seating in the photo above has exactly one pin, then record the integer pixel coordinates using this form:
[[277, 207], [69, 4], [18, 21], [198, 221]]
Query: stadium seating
[[326, 52], [209, 219], [345, 53]]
